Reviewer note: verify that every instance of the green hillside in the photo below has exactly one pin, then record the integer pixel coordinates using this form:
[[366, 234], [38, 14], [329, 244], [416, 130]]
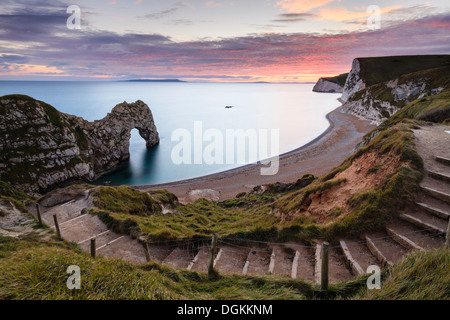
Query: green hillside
[[340, 79], [381, 69]]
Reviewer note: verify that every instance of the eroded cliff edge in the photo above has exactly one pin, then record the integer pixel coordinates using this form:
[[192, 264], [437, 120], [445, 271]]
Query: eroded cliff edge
[[331, 84], [377, 88], [42, 148]]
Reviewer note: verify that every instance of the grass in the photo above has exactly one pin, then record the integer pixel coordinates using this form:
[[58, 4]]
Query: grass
[[340, 79], [372, 208], [256, 216], [35, 270], [126, 200], [27, 172], [382, 69], [419, 276]]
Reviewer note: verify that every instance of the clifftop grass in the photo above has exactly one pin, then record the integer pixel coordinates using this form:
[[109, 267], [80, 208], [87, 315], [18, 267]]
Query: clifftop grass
[[382, 69], [340, 79]]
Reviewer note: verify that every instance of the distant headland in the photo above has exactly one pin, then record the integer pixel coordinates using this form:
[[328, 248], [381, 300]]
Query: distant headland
[[152, 80]]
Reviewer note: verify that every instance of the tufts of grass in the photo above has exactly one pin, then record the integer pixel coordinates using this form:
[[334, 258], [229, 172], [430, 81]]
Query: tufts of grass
[[340, 79], [34, 270], [126, 200], [421, 275], [382, 69]]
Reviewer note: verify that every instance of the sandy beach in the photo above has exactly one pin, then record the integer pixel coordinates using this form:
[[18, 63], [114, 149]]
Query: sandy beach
[[317, 157]]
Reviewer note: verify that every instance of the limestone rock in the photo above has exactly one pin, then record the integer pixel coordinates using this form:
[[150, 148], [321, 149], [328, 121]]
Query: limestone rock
[[377, 102], [324, 85], [42, 148]]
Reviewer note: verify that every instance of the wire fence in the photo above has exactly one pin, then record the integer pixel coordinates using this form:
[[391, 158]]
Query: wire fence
[[193, 245]]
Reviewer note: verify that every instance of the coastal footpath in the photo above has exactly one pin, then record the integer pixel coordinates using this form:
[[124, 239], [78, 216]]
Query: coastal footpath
[[42, 148]]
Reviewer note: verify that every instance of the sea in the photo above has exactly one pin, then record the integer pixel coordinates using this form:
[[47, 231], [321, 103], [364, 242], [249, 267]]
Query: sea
[[292, 113]]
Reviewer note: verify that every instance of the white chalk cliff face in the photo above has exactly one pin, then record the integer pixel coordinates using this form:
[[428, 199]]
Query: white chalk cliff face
[[382, 100], [354, 82], [323, 85], [42, 148]]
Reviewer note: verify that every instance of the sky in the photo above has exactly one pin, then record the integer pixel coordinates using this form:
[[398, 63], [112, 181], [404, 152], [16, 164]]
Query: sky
[[211, 40]]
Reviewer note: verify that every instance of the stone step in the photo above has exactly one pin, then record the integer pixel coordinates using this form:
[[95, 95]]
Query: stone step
[[124, 248], [352, 263], [303, 263], [72, 222], [110, 243], [403, 240], [439, 176], [360, 254], [422, 239], [337, 269], [159, 252], [384, 248], [231, 259], [101, 239], [180, 258], [444, 196], [81, 229], [434, 210], [258, 261], [281, 260], [443, 160], [426, 222], [201, 260]]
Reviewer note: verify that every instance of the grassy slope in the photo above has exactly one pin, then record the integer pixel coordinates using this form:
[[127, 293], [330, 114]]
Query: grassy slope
[[202, 218], [250, 215], [340, 79], [420, 276], [35, 270], [32, 269], [381, 69], [371, 208]]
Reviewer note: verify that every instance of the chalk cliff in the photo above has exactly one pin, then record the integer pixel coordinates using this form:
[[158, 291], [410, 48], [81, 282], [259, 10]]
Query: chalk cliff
[[42, 148], [324, 85], [377, 88], [331, 84]]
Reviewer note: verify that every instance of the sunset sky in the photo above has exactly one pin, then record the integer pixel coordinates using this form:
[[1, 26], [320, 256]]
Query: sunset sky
[[211, 40]]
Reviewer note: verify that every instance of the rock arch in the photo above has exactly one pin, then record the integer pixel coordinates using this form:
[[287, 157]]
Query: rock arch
[[110, 136]]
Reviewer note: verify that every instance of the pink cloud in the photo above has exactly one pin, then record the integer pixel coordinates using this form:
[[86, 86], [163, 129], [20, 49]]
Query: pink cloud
[[300, 6], [343, 14]]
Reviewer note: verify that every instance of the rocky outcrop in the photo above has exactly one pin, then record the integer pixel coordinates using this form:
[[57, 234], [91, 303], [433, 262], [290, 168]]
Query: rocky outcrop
[[324, 85], [377, 102], [354, 82], [42, 148], [331, 84], [109, 138]]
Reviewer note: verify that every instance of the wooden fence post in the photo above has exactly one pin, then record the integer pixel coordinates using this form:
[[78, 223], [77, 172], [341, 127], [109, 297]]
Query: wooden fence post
[[93, 249], [58, 232], [147, 252], [324, 269], [211, 271], [38, 212]]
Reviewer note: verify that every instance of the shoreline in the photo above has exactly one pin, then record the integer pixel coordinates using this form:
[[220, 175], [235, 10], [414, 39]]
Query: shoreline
[[317, 157]]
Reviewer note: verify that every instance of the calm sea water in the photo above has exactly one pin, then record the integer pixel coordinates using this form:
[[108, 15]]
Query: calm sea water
[[293, 109]]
